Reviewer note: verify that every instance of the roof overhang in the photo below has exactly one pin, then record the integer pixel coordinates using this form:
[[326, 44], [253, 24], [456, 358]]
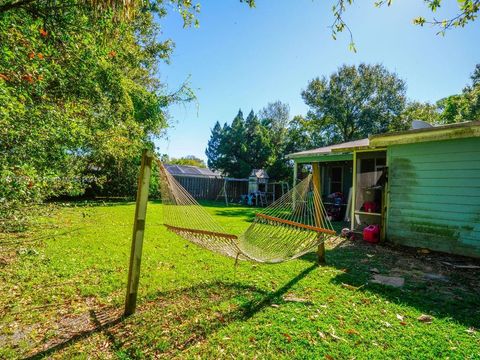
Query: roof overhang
[[446, 132], [323, 158], [337, 152]]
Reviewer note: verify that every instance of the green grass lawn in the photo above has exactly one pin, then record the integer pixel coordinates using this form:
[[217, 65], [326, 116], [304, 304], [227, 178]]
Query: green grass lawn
[[62, 289]]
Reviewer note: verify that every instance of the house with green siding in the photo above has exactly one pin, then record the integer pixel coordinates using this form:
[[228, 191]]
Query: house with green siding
[[421, 186]]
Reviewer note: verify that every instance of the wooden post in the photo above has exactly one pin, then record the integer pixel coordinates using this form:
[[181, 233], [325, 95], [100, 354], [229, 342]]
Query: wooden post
[[354, 189], [317, 190], [138, 230], [295, 173]]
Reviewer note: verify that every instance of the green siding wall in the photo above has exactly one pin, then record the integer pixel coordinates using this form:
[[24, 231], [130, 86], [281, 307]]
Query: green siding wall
[[434, 195]]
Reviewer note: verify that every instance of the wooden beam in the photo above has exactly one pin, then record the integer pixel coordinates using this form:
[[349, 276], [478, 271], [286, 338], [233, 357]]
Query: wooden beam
[[320, 158], [138, 231], [294, 223], [317, 186], [203, 232], [295, 173]]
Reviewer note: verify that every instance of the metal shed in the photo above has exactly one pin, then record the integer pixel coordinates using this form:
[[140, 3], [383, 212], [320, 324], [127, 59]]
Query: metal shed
[[201, 183]]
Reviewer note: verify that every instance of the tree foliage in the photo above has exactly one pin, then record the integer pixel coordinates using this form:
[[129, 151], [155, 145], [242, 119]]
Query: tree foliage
[[79, 97], [467, 13], [355, 102], [259, 142], [464, 106], [238, 148], [190, 160]]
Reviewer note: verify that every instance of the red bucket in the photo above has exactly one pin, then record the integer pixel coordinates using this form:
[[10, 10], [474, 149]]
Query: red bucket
[[371, 234]]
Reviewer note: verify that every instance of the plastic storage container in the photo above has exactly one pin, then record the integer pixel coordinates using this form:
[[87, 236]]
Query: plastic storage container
[[371, 234], [370, 206]]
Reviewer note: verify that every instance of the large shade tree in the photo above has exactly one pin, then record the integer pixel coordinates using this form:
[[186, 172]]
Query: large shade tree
[[79, 97], [355, 102]]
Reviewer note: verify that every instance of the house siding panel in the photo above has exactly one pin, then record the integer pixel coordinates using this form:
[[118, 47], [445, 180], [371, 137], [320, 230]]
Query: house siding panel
[[434, 195]]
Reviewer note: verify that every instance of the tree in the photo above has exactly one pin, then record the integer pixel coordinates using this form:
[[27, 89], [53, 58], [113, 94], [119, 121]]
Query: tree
[[416, 110], [355, 102], [475, 77], [258, 140], [234, 149], [303, 135], [237, 149], [213, 147], [190, 160], [464, 106], [275, 118], [467, 13], [77, 106]]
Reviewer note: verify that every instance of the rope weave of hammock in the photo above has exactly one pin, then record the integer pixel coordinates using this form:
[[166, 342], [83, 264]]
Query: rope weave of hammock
[[292, 226]]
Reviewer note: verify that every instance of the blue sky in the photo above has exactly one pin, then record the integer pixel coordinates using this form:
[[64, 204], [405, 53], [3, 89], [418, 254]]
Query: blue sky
[[245, 58]]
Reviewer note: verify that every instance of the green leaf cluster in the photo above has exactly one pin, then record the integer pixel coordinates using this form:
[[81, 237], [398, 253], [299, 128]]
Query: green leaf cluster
[[355, 102], [79, 97]]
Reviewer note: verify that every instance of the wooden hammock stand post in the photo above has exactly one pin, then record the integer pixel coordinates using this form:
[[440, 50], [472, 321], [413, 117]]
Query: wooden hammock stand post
[[138, 230], [316, 180]]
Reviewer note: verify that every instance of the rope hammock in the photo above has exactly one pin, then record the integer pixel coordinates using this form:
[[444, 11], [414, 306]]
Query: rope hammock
[[292, 226]]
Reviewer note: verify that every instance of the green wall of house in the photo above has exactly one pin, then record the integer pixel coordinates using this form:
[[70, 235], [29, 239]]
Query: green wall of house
[[434, 195]]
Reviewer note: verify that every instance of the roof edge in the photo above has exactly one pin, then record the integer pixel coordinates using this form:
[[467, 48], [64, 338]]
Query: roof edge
[[445, 132]]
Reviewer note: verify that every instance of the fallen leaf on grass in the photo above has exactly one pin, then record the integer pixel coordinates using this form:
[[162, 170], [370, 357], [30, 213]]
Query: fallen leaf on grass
[[329, 357], [350, 287], [352, 332], [293, 298], [425, 318], [403, 323], [288, 337], [333, 335], [470, 330]]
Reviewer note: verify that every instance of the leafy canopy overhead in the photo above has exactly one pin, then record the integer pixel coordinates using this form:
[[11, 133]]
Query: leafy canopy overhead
[[79, 97], [467, 13]]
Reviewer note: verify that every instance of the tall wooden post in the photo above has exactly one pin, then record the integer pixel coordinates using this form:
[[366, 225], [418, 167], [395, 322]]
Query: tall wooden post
[[138, 230], [295, 173], [317, 190]]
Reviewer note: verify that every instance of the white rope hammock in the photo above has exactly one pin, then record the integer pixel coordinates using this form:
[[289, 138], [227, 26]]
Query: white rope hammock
[[290, 227]]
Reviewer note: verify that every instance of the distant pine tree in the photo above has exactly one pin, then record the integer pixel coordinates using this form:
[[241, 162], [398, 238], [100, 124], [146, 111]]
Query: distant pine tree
[[213, 147]]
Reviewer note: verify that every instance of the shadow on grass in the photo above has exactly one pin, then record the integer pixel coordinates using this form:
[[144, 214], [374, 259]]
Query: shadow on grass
[[92, 203], [102, 323], [173, 321], [430, 287], [246, 214]]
